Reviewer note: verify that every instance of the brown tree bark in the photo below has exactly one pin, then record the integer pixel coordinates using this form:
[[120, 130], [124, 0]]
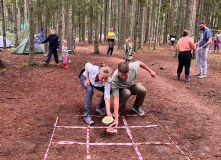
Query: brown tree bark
[[172, 16], [90, 29], [25, 14], [19, 18], [15, 25], [3, 25], [31, 33], [96, 40], [101, 23], [191, 16], [70, 27], [157, 27]]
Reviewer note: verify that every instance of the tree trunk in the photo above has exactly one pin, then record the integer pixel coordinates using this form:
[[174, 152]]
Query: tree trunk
[[136, 27], [182, 17], [5, 14], [79, 23], [141, 27], [152, 21], [1, 65], [172, 16], [15, 25], [122, 36], [166, 28], [83, 27], [118, 26], [3, 25], [96, 40], [31, 33], [90, 30], [106, 15], [148, 24], [62, 27], [70, 27], [19, 18], [191, 16], [101, 23], [157, 26], [25, 14]]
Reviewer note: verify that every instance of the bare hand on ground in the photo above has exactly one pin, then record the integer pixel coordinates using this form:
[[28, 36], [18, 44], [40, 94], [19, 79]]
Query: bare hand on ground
[[114, 124], [153, 74]]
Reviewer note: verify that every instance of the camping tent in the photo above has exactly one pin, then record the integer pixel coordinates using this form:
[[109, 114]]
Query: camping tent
[[23, 48], [8, 43]]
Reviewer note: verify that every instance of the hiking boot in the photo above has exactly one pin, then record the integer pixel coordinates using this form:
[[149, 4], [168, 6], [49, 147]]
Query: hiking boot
[[197, 74], [88, 120], [178, 76], [46, 64], [57, 64], [100, 112], [202, 76], [187, 78], [138, 111]]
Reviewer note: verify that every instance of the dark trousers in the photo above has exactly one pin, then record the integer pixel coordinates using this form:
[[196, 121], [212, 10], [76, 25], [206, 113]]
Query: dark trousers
[[216, 47], [184, 60], [89, 94], [52, 50], [110, 50]]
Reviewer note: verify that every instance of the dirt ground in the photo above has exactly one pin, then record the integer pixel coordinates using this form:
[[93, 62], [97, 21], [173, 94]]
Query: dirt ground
[[32, 97]]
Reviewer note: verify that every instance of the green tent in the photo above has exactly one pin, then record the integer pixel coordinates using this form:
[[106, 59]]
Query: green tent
[[23, 48]]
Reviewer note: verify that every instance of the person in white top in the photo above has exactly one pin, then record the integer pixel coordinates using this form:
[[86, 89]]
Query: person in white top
[[98, 78]]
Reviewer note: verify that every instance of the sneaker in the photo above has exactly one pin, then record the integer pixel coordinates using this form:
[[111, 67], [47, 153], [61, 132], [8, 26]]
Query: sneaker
[[112, 55], [57, 64], [88, 120], [100, 112], [197, 74], [46, 64], [108, 55], [202, 76], [138, 111]]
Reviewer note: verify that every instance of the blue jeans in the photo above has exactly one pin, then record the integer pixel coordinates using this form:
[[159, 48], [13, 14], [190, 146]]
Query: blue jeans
[[89, 95], [52, 50]]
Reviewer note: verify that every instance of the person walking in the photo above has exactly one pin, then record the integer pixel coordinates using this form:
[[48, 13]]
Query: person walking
[[184, 47], [172, 39], [202, 49], [53, 40]]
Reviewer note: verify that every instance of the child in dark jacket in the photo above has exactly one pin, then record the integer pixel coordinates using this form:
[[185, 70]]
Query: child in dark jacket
[[53, 40]]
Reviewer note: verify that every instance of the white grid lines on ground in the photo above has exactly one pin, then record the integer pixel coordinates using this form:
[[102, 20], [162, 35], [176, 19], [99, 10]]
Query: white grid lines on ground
[[126, 126]]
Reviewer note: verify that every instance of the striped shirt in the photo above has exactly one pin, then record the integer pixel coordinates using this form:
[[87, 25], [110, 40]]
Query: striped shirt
[[93, 71]]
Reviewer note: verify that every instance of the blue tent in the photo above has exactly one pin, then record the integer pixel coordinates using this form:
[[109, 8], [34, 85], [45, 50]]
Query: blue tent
[[8, 43]]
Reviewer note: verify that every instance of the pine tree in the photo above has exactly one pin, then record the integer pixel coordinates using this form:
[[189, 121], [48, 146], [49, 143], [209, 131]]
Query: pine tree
[[31, 33]]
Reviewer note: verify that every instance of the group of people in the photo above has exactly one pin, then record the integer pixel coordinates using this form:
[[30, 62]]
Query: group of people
[[120, 85], [186, 44], [54, 45]]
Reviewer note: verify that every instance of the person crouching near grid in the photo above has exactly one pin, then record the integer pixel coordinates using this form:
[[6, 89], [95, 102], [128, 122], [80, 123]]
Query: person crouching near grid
[[98, 78], [184, 46]]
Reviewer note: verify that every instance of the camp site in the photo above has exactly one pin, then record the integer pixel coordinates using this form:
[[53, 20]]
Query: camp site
[[110, 79]]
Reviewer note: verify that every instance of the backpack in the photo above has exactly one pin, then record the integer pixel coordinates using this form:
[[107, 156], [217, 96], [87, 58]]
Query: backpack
[[81, 72]]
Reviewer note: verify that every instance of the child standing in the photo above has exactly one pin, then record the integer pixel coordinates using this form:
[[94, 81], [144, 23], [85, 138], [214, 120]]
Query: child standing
[[53, 40], [65, 53], [128, 51], [74, 43], [216, 44]]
